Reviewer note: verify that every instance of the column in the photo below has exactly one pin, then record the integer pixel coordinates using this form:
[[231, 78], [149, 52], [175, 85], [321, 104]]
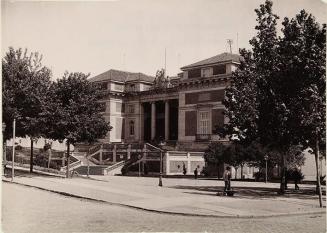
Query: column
[[153, 120], [141, 123], [166, 120], [189, 171]]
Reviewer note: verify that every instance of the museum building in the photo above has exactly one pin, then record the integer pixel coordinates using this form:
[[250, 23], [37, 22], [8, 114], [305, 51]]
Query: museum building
[[181, 111], [184, 109]]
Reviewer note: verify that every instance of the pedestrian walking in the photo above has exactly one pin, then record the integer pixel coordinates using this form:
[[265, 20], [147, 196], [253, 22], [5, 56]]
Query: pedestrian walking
[[196, 173], [184, 169], [227, 177]]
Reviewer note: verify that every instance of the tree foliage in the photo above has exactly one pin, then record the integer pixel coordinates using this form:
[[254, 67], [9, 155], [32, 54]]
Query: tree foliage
[[76, 110], [215, 153], [25, 86], [277, 96], [25, 90]]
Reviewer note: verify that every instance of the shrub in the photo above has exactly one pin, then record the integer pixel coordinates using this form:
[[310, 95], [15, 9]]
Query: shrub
[[259, 176], [40, 160], [205, 171], [294, 174]]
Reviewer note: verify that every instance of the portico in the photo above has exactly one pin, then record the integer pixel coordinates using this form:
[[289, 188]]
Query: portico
[[160, 120]]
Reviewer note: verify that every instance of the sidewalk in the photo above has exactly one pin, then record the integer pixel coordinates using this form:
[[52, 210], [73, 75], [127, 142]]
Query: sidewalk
[[183, 196]]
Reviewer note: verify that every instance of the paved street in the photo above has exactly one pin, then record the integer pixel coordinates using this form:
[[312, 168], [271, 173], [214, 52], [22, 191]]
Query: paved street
[[184, 196], [27, 209]]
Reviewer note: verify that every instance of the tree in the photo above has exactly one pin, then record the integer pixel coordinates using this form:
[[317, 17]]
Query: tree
[[26, 83], [241, 103], [274, 121], [303, 67], [76, 111], [236, 155], [263, 102], [215, 153]]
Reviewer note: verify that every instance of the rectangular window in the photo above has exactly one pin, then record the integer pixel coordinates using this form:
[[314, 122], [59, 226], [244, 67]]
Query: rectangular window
[[204, 123], [132, 87], [204, 96], [194, 73], [206, 72], [131, 128], [102, 85], [131, 108], [220, 69], [118, 87]]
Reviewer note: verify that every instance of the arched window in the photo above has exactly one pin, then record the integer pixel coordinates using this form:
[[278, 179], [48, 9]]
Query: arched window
[[131, 128]]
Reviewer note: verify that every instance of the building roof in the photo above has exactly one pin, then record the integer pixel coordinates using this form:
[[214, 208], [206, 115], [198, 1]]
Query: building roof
[[223, 57], [121, 76]]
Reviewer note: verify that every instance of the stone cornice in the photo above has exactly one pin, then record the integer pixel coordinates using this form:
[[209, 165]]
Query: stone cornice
[[197, 83]]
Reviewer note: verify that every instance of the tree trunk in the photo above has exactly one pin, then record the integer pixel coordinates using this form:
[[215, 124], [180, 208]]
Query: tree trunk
[[242, 172], [49, 160], [217, 165], [318, 189], [31, 158], [236, 173], [68, 160], [283, 180]]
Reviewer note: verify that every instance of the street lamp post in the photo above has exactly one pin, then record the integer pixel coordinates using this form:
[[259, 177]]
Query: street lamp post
[[139, 157], [266, 159], [13, 151], [88, 167], [4, 147], [160, 176]]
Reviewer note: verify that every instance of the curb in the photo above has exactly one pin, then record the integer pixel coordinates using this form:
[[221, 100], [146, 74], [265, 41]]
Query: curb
[[168, 212]]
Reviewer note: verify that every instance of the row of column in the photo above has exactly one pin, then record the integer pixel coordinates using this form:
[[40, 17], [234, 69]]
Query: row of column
[[153, 120]]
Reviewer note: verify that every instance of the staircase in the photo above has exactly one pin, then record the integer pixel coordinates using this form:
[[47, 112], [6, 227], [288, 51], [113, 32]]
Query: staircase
[[96, 162], [72, 165], [81, 156], [115, 169]]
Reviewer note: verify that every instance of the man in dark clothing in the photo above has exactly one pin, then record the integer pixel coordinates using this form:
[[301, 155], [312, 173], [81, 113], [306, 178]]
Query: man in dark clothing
[[196, 173], [227, 177]]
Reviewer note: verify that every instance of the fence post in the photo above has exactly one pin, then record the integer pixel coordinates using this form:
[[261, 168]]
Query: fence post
[[114, 154], [189, 172], [129, 151], [101, 151], [167, 170]]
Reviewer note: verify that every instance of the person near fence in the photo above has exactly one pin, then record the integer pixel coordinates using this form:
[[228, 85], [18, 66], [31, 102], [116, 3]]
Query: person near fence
[[196, 173], [227, 177]]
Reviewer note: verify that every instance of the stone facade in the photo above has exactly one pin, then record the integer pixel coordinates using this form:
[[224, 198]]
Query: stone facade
[[184, 109]]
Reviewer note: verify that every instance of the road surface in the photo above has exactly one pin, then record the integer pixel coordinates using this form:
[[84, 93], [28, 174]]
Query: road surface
[[26, 209]]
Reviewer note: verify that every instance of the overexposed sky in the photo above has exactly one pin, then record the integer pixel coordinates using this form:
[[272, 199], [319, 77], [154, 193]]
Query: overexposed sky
[[132, 35]]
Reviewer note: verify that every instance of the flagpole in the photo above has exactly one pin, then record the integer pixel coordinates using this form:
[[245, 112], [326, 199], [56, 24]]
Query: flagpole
[[165, 64]]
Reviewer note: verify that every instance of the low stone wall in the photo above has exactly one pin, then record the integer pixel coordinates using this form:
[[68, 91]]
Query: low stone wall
[[175, 161]]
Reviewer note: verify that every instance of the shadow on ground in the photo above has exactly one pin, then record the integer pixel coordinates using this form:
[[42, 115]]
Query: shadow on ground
[[20, 173], [250, 192]]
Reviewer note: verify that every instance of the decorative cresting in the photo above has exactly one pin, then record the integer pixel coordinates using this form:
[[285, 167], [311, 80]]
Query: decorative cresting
[[161, 82]]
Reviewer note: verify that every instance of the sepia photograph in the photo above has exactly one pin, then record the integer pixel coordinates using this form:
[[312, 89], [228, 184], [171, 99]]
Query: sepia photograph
[[163, 116]]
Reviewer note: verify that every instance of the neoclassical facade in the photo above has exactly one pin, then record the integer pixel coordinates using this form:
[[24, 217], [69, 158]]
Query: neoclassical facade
[[183, 109]]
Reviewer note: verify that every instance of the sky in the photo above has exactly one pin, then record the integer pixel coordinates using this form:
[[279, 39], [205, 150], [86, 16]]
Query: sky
[[132, 35]]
